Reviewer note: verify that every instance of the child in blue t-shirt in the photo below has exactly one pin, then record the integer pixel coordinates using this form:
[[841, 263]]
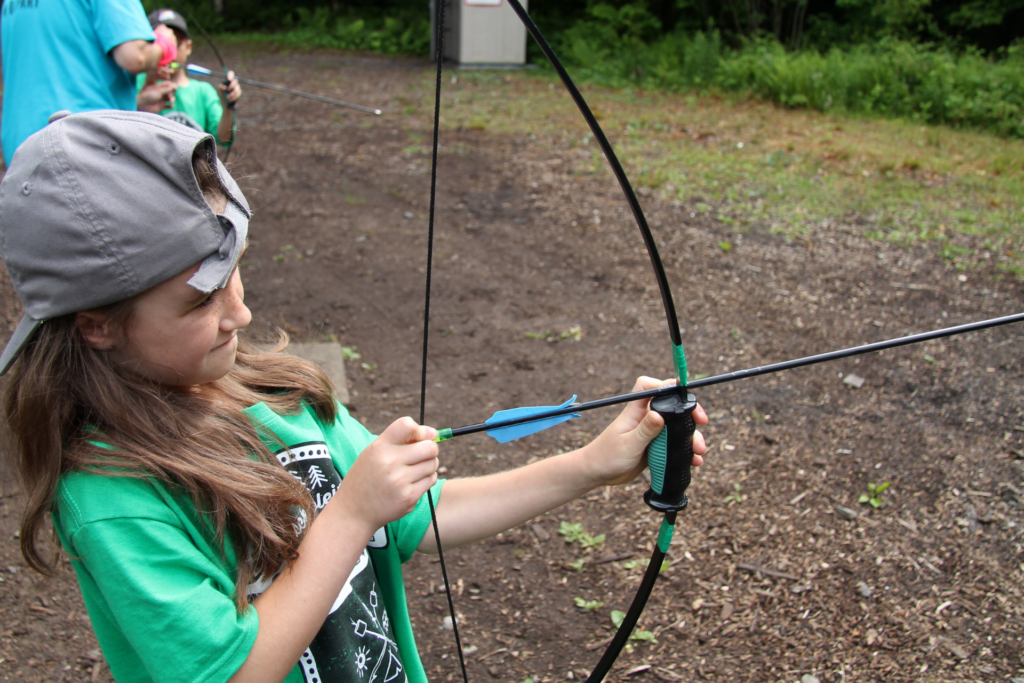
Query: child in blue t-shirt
[[226, 518], [197, 104]]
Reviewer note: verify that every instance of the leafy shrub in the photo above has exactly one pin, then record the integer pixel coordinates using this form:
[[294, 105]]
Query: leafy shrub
[[622, 46], [322, 28], [893, 78]]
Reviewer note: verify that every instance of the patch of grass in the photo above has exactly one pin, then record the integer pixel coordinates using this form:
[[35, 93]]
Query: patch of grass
[[577, 565], [575, 333], [575, 533], [617, 618], [588, 605], [737, 495], [874, 495], [894, 180]]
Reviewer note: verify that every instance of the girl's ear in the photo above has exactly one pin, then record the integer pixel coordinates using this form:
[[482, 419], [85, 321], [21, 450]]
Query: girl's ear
[[96, 329]]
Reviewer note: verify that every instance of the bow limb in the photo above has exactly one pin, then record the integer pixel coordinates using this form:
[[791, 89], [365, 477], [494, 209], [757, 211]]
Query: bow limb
[[670, 475], [627, 188], [671, 452]]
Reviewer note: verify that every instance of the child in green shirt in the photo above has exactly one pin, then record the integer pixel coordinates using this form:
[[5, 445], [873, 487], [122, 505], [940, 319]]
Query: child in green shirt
[[197, 104], [226, 518]]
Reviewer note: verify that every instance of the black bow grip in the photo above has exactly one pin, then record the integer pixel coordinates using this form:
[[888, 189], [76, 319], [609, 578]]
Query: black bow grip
[[671, 453]]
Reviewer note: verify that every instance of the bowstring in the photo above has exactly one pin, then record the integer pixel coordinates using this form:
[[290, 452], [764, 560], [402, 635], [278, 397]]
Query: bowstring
[[426, 326]]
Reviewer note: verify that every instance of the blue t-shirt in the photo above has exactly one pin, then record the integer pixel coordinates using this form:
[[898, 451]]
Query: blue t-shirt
[[57, 55]]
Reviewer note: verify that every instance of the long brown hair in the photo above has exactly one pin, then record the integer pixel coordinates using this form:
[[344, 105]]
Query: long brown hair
[[62, 396]]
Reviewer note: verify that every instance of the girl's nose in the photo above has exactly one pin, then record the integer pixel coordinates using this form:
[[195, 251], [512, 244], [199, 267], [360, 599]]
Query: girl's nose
[[237, 315]]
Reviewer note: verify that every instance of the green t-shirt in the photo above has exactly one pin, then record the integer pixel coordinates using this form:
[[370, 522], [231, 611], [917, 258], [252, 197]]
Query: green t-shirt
[[198, 100], [159, 588]]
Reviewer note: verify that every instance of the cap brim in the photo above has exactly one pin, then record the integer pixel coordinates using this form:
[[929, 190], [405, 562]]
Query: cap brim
[[23, 334], [216, 269]]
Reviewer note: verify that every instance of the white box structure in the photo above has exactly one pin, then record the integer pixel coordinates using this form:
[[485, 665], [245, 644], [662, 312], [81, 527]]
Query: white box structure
[[480, 33]]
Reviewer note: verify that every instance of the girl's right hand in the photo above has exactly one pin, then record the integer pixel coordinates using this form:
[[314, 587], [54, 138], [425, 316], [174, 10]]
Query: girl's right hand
[[391, 474]]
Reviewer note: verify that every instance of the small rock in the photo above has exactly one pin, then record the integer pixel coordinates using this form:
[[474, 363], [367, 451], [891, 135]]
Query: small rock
[[494, 671], [540, 532], [446, 623], [865, 589], [958, 651], [801, 588], [727, 610], [409, 214], [12, 570], [971, 517], [855, 381], [872, 636], [847, 513], [471, 650], [1018, 467], [809, 678]]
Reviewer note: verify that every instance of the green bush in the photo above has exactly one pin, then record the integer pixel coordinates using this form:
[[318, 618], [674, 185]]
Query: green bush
[[322, 28], [626, 44], [892, 78], [622, 46]]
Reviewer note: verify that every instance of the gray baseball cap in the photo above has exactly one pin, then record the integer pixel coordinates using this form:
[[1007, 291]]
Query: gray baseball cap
[[168, 17], [98, 207]]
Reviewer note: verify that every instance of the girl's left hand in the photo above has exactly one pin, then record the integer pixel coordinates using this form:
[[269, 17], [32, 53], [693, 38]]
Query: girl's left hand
[[617, 455], [231, 90]]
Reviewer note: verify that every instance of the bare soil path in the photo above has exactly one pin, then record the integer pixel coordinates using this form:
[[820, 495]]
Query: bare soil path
[[767, 582]]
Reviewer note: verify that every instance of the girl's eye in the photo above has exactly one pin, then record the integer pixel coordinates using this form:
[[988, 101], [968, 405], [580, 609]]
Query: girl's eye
[[206, 302]]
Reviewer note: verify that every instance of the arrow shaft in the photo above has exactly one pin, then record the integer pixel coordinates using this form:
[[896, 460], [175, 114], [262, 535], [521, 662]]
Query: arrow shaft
[[857, 350], [200, 71], [311, 96], [744, 374]]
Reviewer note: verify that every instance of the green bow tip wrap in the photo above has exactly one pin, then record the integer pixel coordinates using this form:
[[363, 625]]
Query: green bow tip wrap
[[665, 535], [679, 358]]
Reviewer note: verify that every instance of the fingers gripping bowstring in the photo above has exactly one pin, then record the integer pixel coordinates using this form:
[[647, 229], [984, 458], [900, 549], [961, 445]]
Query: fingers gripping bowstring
[[426, 327]]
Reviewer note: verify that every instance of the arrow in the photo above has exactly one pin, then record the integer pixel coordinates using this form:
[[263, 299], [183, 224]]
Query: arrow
[[197, 70], [515, 423]]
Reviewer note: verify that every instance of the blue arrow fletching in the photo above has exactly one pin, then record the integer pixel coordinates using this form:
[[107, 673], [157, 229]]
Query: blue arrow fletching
[[513, 432], [198, 70]]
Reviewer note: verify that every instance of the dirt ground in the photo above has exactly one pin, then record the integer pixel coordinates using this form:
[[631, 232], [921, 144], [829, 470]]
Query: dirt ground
[[768, 580]]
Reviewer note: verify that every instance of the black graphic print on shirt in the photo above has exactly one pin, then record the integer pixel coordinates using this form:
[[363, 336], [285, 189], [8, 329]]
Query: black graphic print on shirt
[[356, 642]]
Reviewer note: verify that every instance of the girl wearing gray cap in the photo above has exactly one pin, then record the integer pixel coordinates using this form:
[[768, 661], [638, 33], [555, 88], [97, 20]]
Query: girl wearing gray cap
[[225, 516]]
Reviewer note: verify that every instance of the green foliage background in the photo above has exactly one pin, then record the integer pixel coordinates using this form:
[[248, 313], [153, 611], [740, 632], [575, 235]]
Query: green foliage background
[[957, 62]]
